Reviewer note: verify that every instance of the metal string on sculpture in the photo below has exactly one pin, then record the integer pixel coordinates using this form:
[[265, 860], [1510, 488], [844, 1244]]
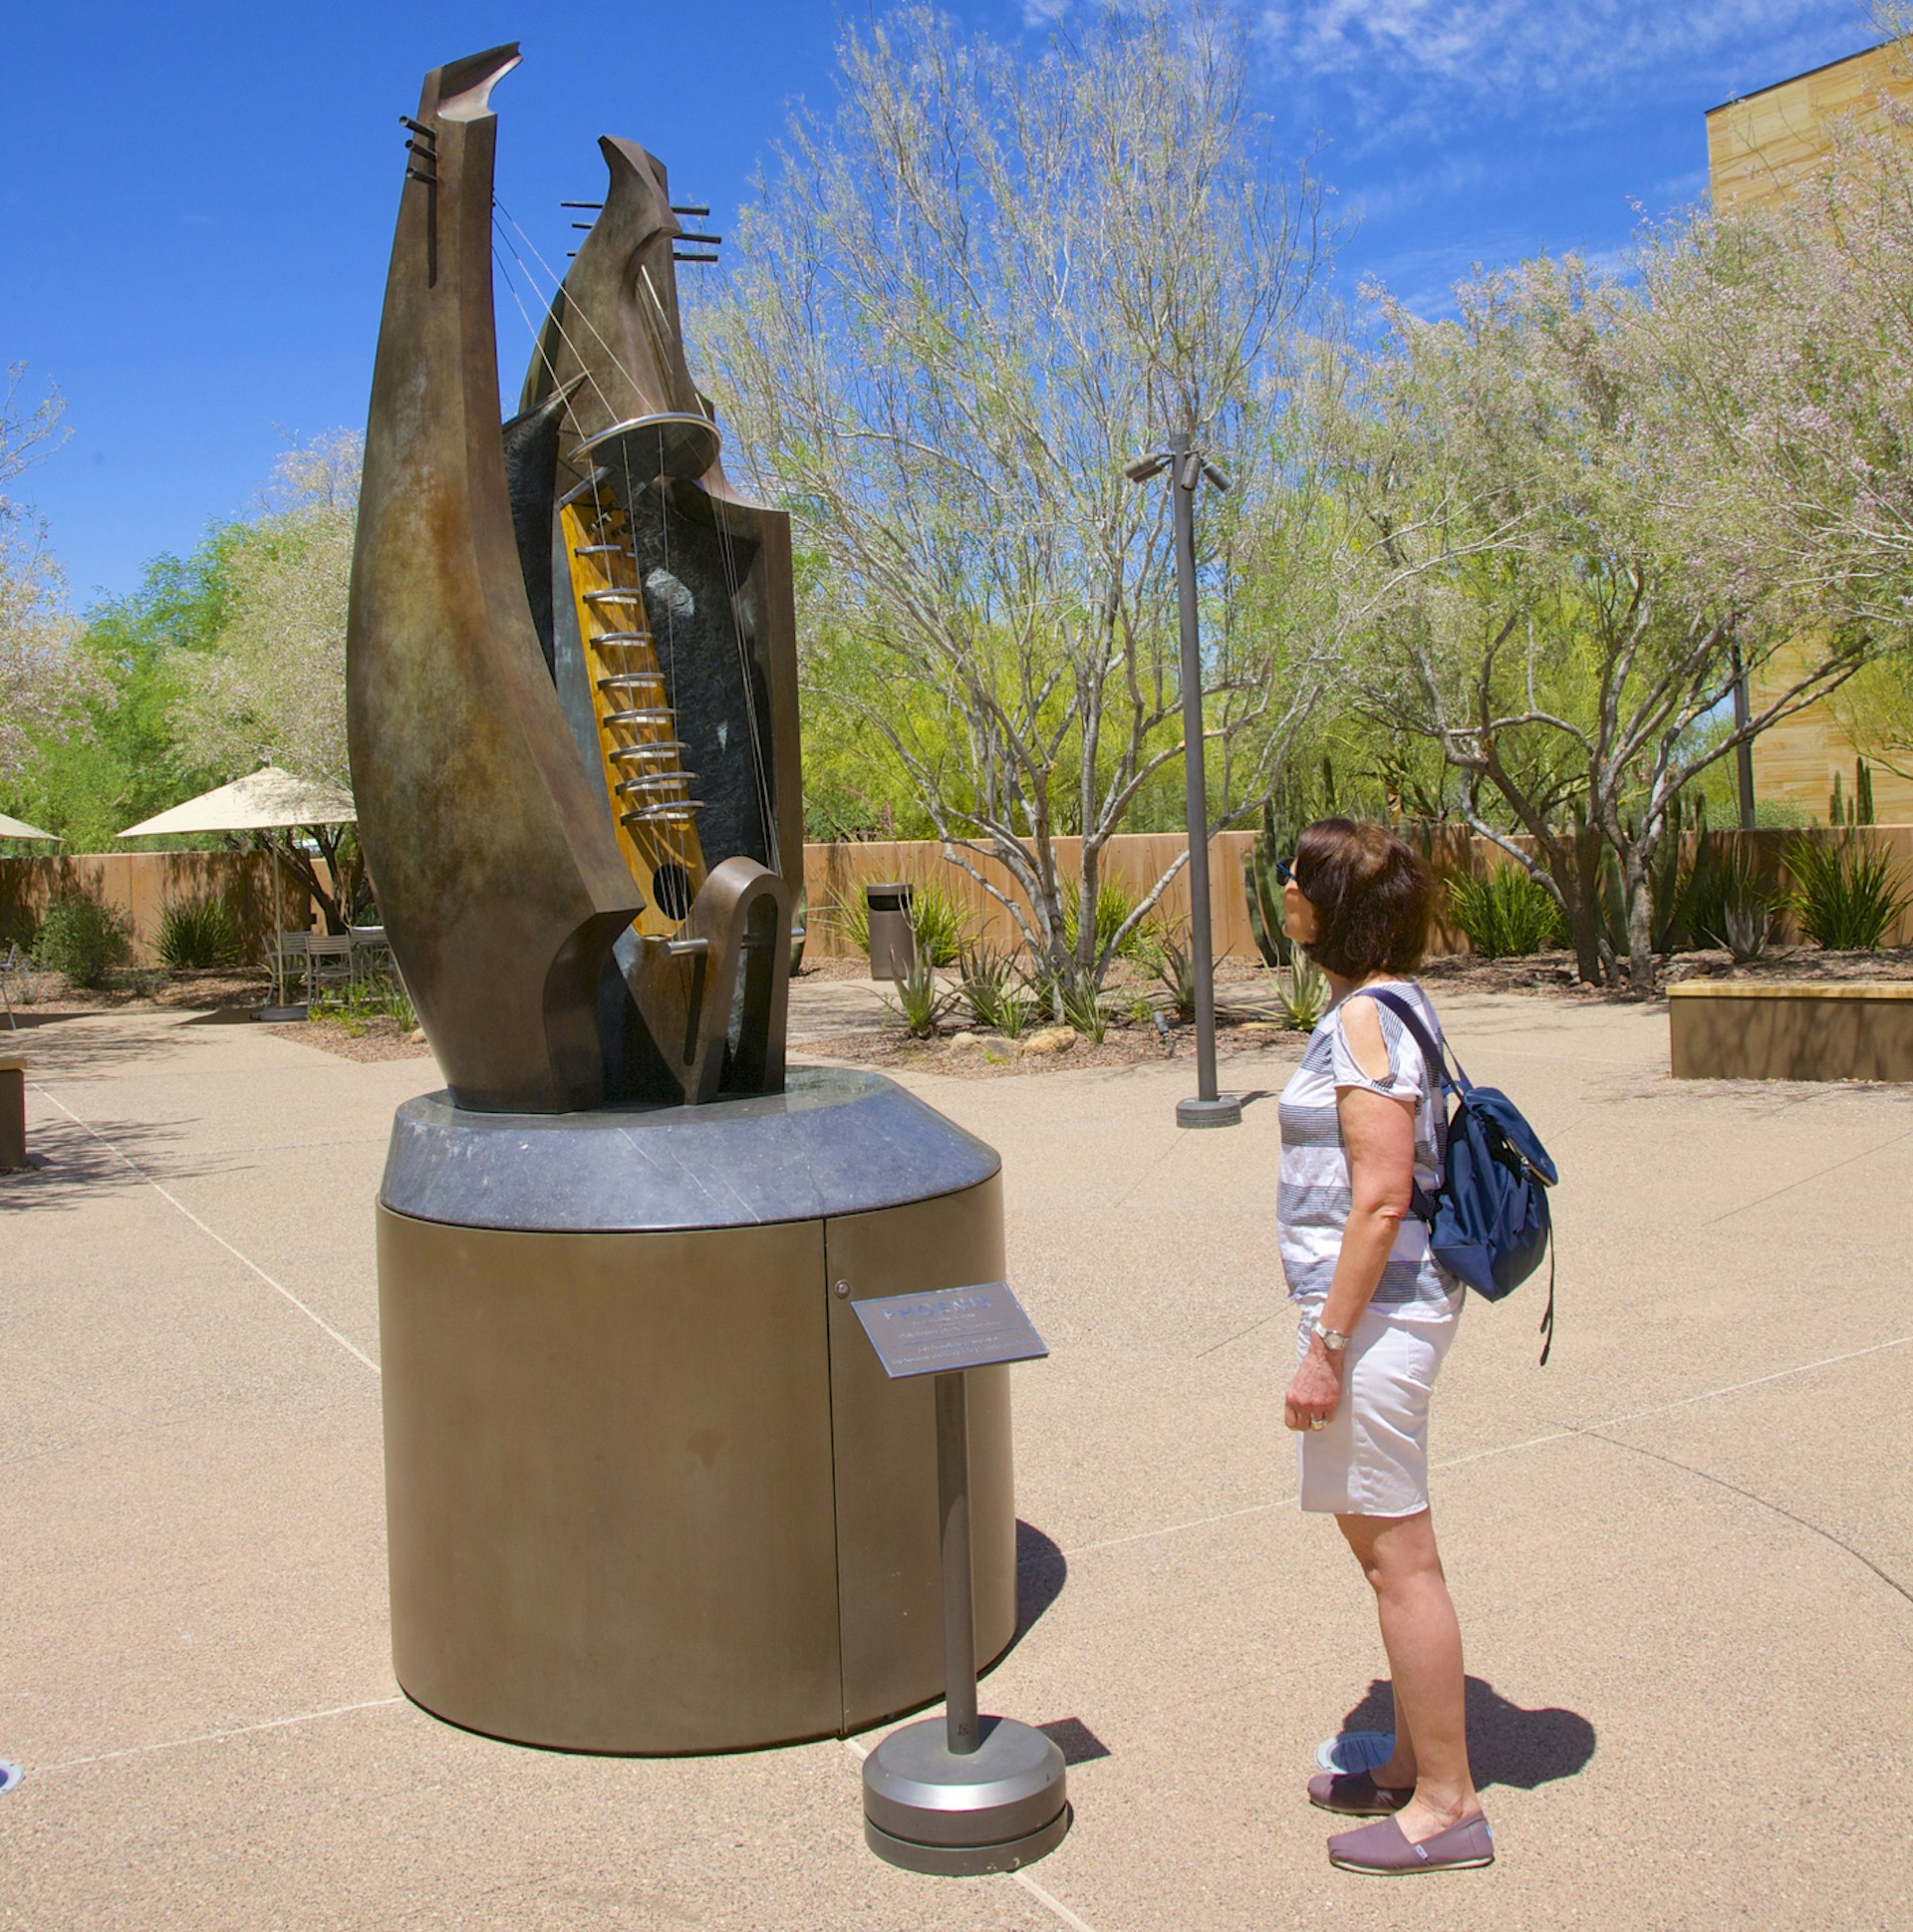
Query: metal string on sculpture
[[654, 793], [658, 452], [676, 435], [650, 790]]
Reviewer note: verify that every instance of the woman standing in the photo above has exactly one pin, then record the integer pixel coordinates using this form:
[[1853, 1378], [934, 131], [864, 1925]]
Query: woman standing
[[1362, 1126]]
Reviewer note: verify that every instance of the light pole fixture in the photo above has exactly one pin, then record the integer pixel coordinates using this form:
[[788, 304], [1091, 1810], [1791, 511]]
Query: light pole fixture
[[1187, 466]]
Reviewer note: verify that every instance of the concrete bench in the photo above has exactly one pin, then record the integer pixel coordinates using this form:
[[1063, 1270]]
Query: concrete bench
[[1790, 1029], [13, 1113]]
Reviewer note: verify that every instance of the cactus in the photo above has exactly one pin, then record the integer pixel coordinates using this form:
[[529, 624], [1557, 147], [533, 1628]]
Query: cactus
[[1285, 812], [1264, 891]]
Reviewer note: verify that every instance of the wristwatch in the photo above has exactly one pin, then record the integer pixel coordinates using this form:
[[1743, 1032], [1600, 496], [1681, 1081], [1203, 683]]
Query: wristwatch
[[1332, 1340]]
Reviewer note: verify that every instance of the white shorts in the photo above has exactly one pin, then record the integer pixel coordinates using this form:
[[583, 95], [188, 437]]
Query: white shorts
[[1372, 1458]]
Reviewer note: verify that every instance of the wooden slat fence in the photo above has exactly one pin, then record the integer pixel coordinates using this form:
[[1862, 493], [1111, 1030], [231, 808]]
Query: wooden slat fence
[[141, 883]]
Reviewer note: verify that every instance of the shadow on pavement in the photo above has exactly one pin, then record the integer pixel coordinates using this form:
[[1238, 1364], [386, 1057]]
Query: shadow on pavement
[[1508, 1744], [1075, 1740], [1041, 1573], [68, 1165]]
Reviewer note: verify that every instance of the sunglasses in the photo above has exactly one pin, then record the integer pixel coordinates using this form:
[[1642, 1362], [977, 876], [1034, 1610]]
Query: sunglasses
[[1285, 871]]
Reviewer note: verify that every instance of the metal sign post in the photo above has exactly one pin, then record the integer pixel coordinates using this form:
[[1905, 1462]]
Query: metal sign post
[[969, 1794]]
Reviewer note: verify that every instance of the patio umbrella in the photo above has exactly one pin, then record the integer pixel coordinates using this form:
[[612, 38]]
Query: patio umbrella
[[266, 801], [18, 828]]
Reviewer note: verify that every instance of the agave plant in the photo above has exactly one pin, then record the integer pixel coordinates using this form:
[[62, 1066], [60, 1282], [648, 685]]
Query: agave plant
[[920, 1000], [1301, 997], [1172, 961], [1083, 1007]]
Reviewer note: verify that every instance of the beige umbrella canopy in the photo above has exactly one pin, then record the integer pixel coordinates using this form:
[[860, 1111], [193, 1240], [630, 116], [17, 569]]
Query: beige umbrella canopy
[[18, 828], [266, 801]]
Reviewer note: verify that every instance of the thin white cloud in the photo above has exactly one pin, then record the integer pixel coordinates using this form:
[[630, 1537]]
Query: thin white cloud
[[1561, 48], [1446, 175]]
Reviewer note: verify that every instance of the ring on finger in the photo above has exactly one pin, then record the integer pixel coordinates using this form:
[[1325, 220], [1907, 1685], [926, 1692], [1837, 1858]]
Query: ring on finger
[[1320, 1422]]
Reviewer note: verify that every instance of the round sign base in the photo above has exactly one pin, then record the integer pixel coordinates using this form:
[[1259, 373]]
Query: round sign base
[[1226, 1110], [1356, 1751], [967, 1862], [995, 1808]]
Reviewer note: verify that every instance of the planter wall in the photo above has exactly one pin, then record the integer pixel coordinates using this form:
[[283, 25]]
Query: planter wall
[[1741, 1030]]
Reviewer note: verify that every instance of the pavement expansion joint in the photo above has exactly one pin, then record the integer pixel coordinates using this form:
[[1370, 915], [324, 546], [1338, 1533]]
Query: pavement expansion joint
[[245, 1260], [217, 1736], [1753, 1495], [1806, 1179], [1568, 1432]]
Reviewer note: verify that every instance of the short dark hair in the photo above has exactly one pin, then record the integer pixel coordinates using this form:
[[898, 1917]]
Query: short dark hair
[[1373, 895]]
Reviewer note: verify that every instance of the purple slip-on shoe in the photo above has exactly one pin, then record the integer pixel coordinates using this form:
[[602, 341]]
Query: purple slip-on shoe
[[1383, 1850], [1355, 1794]]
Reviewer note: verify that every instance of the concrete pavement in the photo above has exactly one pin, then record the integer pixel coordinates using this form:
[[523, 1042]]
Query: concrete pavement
[[1683, 1553]]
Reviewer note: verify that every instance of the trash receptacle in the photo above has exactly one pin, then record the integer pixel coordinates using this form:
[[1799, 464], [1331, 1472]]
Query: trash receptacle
[[893, 940]]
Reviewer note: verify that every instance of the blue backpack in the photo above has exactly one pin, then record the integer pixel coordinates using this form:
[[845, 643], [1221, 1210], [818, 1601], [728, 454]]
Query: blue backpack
[[1488, 1220]]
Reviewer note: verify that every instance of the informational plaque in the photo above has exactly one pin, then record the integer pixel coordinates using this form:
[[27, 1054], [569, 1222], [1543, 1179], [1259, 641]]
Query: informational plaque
[[930, 1335]]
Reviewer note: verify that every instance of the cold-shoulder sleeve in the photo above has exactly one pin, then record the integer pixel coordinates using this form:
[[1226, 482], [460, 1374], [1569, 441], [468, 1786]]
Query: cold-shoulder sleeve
[[1406, 1070]]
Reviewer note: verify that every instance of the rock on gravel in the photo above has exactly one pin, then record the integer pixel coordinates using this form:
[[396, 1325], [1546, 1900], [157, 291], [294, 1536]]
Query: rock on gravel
[[1051, 1039]]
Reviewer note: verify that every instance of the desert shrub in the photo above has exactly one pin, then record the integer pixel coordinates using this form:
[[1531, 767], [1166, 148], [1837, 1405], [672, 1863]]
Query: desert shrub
[[1114, 904], [1506, 914], [195, 934], [18, 926], [1846, 892], [996, 990], [83, 938], [851, 917], [356, 1007], [939, 921], [936, 917]]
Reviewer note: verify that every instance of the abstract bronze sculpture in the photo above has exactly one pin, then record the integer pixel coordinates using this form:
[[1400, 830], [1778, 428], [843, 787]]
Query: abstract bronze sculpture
[[571, 665], [647, 1488]]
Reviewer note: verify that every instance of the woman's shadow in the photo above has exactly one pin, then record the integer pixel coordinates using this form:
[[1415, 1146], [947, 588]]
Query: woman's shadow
[[1506, 1744]]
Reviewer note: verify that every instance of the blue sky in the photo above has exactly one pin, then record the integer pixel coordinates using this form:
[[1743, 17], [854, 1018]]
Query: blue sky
[[194, 217]]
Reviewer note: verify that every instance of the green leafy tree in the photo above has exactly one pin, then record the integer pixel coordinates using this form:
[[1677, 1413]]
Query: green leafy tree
[[123, 763], [272, 687]]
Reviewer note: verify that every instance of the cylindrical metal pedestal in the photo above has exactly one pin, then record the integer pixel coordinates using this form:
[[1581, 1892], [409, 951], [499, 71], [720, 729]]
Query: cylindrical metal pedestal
[[648, 1487]]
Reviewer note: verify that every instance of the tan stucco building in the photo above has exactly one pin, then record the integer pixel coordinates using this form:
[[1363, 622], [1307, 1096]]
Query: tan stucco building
[[1758, 149]]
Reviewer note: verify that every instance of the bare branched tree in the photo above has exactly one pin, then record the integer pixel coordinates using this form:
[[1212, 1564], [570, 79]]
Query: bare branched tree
[[964, 303], [45, 678]]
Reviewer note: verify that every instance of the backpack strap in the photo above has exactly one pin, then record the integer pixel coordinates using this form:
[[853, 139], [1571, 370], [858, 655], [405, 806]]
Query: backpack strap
[[1547, 1330], [1435, 1052], [1436, 1056], [1433, 1057]]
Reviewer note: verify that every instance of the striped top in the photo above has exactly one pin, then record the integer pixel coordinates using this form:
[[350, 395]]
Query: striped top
[[1314, 1203]]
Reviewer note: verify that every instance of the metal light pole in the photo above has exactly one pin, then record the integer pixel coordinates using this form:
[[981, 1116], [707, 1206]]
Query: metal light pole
[[1187, 467], [1744, 751]]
